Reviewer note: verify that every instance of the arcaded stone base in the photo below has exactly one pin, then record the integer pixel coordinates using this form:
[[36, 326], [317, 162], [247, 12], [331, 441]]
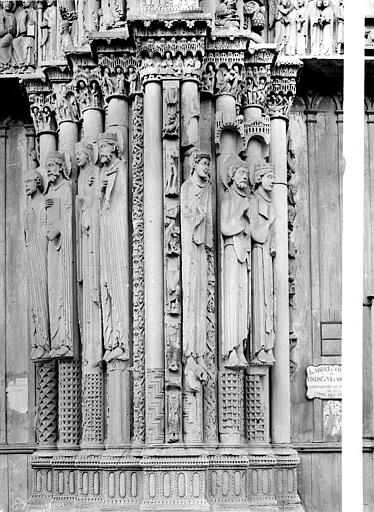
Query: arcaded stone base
[[164, 478]]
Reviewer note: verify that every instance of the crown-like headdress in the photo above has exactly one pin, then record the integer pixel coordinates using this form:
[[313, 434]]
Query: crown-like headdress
[[108, 137], [263, 168], [57, 156]]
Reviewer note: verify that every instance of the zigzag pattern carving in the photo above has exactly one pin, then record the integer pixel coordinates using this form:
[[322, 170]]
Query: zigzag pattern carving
[[155, 406]]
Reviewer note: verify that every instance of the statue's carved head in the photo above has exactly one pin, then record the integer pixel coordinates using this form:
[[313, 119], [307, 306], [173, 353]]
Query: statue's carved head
[[265, 175], [55, 165], [83, 153], [33, 182], [238, 174], [201, 165], [108, 146]]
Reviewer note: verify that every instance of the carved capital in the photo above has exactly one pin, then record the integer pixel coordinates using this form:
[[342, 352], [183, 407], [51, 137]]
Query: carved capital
[[119, 76], [43, 112], [67, 106], [87, 86], [282, 88]]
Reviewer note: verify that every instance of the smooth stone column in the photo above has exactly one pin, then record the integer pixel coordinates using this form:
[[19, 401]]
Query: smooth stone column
[[255, 148], [92, 123], [153, 263], [47, 373], [280, 372], [3, 406], [118, 371]]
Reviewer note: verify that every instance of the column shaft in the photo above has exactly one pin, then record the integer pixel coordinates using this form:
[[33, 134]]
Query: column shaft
[[280, 371], [153, 263]]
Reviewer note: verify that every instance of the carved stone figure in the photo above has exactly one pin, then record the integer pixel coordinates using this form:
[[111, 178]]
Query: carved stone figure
[[114, 249], [113, 13], [8, 31], [171, 172], [132, 78], [236, 247], [36, 249], [208, 79], [120, 81], [107, 83], [171, 125], [301, 27], [173, 289], [66, 38], [88, 250], [58, 203], [285, 25], [226, 15], [24, 43], [321, 20], [49, 31], [197, 232], [262, 215], [173, 350], [340, 27]]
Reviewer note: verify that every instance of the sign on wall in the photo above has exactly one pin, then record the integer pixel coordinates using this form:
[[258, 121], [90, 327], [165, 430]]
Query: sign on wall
[[324, 382]]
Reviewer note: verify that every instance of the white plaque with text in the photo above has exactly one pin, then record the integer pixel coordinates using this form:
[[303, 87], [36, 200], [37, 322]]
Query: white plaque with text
[[324, 382]]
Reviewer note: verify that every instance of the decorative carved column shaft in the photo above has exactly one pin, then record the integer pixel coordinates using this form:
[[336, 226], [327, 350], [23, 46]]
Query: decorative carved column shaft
[[153, 263], [139, 390]]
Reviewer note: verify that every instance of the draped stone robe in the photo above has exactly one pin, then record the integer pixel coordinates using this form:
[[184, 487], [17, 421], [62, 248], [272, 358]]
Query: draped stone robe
[[196, 225], [60, 271], [262, 218], [36, 250], [114, 262], [235, 268], [88, 206]]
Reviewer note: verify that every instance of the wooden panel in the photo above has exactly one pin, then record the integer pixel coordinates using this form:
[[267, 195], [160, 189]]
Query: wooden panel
[[16, 289], [17, 474], [302, 409], [4, 483], [304, 480], [368, 482], [326, 482]]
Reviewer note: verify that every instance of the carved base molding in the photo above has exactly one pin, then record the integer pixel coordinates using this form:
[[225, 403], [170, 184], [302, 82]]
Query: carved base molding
[[261, 479]]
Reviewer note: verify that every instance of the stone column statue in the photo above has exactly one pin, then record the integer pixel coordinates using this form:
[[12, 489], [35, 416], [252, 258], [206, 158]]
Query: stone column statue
[[197, 229], [8, 31], [262, 214], [24, 44], [58, 205], [49, 34], [36, 249], [236, 247], [114, 251]]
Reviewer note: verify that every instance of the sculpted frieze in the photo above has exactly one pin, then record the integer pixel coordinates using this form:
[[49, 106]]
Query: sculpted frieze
[[88, 90], [43, 110]]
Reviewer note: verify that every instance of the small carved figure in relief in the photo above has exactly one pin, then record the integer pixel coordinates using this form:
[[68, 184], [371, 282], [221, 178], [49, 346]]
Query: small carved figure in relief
[[301, 27], [254, 19], [340, 27], [49, 31], [114, 248], [208, 78], [236, 83], [88, 249], [120, 81], [189, 65], [24, 44], [236, 246], [167, 64], [171, 172], [173, 350], [321, 20], [58, 203], [107, 83], [284, 24], [197, 234], [226, 15], [8, 31], [171, 126], [113, 13], [173, 417], [262, 214], [173, 289], [83, 95], [132, 78], [66, 39], [178, 65], [36, 250], [95, 95], [223, 81]]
